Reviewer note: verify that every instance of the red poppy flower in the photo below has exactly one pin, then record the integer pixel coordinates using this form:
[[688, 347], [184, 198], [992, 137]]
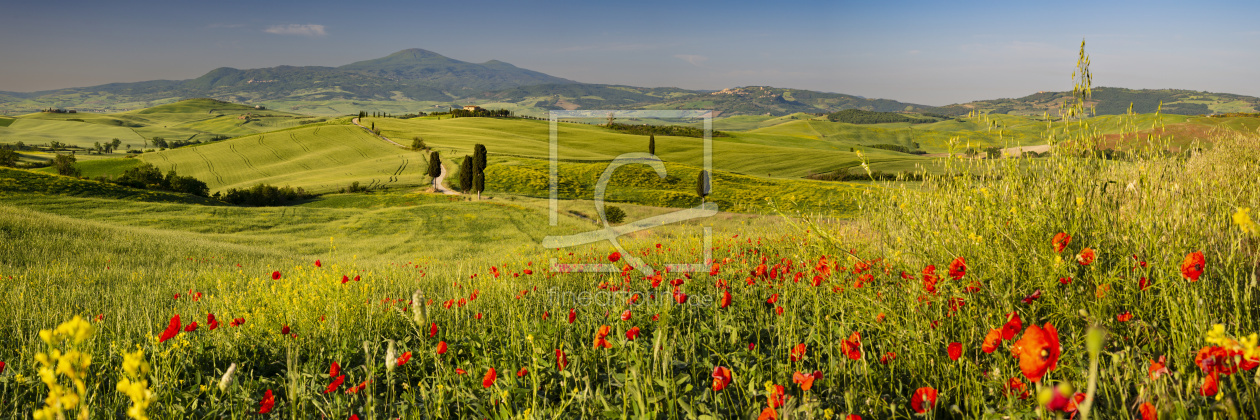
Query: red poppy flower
[[930, 279], [441, 348], [268, 401], [1217, 360], [958, 268], [887, 357], [318, 264], [1124, 317], [852, 346], [726, 299], [1012, 327], [601, 335], [806, 381], [1065, 280], [656, 317], [459, 371], [752, 346], [236, 322], [768, 413], [1038, 351], [522, 373], [1148, 412], [1211, 385], [357, 278], [572, 315], [191, 327], [345, 279], [334, 369], [991, 340], [336, 383], [1061, 241], [172, 329], [954, 350], [1086, 257], [1, 367], [433, 330], [1143, 284], [488, 380], [795, 354], [1014, 386], [1028, 300], [923, 399], [632, 333], [614, 257], [625, 316], [284, 330], [1192, 266], [404, 358], [275, 275], [212, 322], [561, 360], [721, 378], [1158, 368], [773, 299], [777, 396]]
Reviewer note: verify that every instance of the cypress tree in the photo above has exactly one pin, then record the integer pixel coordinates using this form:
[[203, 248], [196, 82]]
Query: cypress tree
[[466, 174], [652, 144], [702, 185], [435, 167], [479, 168]]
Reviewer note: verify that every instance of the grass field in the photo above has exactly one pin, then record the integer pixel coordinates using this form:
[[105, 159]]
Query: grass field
[[951, 297], [320, 158], [189, 120], [876, 337]]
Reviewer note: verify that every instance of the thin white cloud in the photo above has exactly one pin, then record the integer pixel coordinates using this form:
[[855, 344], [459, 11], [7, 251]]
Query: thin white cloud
[[294, 29], [695, 60]]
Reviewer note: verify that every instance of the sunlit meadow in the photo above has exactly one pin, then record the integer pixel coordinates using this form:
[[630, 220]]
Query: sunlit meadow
[[1073, 286]]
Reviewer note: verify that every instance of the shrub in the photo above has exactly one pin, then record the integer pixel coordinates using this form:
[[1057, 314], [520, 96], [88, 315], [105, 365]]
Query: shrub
[[615, 214]]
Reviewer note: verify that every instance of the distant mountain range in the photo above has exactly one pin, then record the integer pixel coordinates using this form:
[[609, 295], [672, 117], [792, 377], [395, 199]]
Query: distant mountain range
[[417, 75]]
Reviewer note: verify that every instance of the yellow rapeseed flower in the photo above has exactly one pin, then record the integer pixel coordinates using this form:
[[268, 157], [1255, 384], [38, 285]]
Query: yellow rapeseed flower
[[1242, 218]]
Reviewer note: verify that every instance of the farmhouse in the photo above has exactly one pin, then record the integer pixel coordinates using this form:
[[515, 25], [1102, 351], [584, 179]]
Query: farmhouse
[[472, 108]]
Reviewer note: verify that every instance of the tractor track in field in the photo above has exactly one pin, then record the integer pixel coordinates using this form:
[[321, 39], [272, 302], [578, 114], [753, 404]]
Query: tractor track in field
[[209, 166], [400, 169], [277, 154], [295, 140], [245, 159]]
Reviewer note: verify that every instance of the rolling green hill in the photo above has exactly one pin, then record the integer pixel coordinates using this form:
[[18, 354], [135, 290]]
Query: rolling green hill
[[1116, 101], [321, 158], [190, 120]]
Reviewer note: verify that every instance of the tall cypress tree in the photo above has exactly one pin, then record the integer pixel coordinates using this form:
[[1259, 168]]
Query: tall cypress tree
[[652, 144], [703, 188], [466, 174], [435, 167], [479, 168]]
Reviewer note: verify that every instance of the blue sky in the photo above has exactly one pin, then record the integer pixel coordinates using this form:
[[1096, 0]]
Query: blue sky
[[931, 53]]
